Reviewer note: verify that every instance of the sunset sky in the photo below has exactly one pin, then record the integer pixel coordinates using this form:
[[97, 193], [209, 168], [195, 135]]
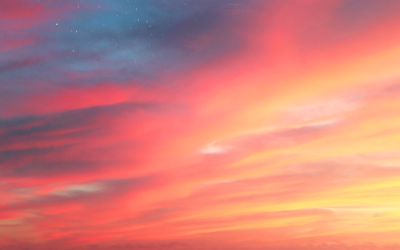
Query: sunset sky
[[199, 124]]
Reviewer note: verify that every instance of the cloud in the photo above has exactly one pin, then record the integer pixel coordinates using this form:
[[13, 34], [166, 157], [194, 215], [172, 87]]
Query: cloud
[[212, 149], [52, 145], [199, 124], [257, 141], [20, 64]]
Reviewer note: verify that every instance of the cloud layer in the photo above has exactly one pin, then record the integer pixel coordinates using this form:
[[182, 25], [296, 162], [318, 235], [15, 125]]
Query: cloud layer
[[201, 124]]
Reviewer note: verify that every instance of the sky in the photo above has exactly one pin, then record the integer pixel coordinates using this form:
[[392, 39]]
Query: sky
[[199, 124]]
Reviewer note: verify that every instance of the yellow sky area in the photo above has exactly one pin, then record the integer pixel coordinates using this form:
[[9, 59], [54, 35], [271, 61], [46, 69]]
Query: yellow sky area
[[318, 84], [359, 125], [380, 218], [258, 224], [248, 106]]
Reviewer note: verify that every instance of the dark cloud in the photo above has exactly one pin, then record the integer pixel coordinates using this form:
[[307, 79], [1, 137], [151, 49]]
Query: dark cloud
[[36, 126], [49, 169], [18, 64], [110, 190], [170, 36], [32, 146]]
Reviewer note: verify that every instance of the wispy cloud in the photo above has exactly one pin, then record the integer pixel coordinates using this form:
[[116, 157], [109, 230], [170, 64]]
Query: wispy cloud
[[201, 124]]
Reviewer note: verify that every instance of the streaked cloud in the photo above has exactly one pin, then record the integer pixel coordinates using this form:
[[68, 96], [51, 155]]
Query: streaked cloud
[[201, 124]]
